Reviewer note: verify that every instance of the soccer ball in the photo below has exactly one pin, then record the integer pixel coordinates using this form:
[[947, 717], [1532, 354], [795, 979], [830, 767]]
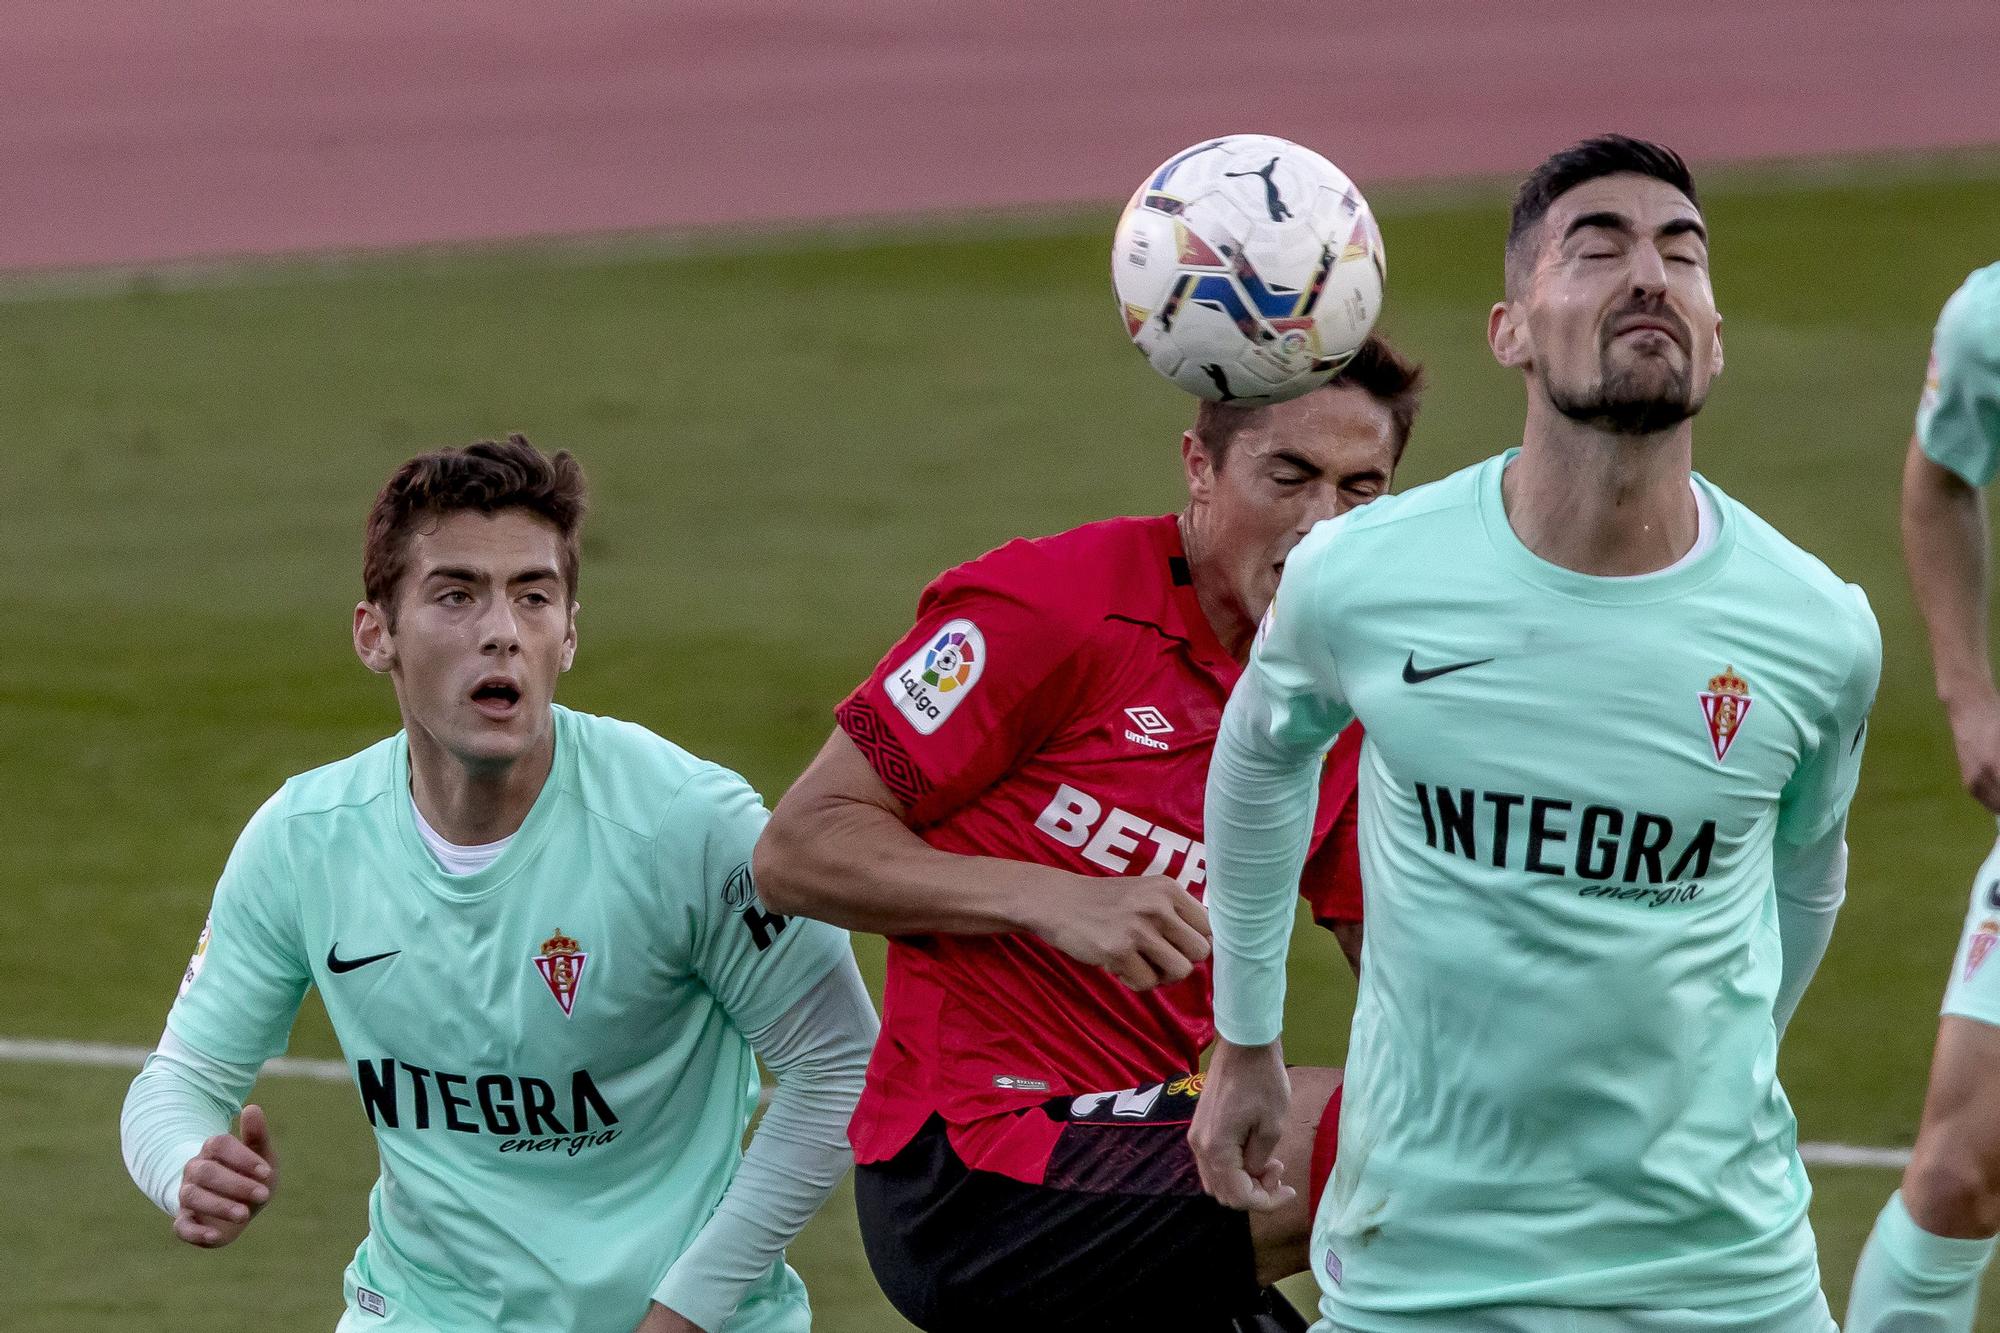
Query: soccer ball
[[1248, 269]]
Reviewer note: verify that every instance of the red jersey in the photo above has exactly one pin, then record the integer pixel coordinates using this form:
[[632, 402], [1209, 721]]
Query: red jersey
[[1056, 702]]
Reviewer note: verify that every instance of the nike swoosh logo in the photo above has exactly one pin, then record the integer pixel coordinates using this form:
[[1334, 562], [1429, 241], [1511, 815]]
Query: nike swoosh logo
[[337, 964], [1412, 675]]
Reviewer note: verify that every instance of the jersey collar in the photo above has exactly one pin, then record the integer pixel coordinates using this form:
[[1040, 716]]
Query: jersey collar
[[527, 840], [1621, 591]]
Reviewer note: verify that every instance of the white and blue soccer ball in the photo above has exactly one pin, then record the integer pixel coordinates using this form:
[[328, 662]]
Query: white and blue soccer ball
[[1248, 269]]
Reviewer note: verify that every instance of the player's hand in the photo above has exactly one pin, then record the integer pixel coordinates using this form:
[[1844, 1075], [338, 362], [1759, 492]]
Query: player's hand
[[660, 1319], [1975, 732], [227, 1183], [1145, 930], [1236, 1122]]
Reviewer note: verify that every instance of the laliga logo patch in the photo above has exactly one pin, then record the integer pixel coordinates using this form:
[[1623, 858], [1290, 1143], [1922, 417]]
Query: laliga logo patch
[[931, 682], [561, 964], [200, 959], [1982, 944], [1725, 704]]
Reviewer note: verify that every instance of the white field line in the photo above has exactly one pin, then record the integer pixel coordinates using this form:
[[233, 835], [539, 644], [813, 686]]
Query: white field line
[[16, 1050]]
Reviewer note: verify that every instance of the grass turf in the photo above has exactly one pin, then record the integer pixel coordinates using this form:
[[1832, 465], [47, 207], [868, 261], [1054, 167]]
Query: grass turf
[[784, 445]]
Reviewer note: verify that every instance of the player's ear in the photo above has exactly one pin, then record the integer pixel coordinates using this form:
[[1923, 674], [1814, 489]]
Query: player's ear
[[1199, 465], [374, 643], [1507, 335], [569, 639], [1716, 369]]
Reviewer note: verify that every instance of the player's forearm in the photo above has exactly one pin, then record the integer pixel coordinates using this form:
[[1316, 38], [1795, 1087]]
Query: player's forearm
[[176, 1103], [1811, 885], [1257, 825], [819, 1051], [1945, 543], [857, 865]]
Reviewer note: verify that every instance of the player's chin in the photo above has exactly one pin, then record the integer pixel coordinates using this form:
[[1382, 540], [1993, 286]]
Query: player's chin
[[498, 736], [1262, 590]]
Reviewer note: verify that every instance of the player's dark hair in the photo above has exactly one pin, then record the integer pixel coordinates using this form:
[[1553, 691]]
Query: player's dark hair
[[486, 476], [1378, 370], [1605, 155]]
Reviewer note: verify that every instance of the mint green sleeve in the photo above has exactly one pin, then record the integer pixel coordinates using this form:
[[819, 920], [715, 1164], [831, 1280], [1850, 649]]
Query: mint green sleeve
[[249, 974], [1263, 785], [1958, 419], [789, 985], [755, 962], [179, 1101], [818, 1051], [1816, 798]]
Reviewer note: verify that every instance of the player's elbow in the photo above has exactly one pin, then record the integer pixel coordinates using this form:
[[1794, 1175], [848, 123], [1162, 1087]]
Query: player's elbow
[[799, 861], [779, 865]]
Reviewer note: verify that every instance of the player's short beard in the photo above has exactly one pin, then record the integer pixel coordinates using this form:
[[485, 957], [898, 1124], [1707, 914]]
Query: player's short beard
[[1628, 400]]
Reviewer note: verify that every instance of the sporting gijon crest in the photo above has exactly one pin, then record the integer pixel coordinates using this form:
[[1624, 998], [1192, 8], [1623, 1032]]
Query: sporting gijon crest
[[1725, 706], [561, 964]]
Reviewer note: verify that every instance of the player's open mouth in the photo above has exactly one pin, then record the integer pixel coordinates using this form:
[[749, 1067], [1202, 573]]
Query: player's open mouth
[[496, 697]]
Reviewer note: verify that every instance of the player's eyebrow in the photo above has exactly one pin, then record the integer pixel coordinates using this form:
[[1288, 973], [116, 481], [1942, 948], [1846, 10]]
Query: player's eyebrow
[[465, 574], [1685, 227], [1365, 474], [1603, 218], [1298, 461]]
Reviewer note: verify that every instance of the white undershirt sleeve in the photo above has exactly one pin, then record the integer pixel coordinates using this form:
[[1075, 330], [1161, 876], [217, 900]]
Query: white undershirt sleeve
[[818, 1049], [178, 1102], [1812, 883]]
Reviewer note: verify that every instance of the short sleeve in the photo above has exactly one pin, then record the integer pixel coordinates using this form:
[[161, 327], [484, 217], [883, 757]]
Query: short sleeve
[[249, 972], [1331, 880], [1958, 418], [1817, 797], [756, 962], [985, 675]]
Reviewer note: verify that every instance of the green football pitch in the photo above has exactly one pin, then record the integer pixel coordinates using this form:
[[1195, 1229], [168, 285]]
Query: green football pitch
[[785, 439]]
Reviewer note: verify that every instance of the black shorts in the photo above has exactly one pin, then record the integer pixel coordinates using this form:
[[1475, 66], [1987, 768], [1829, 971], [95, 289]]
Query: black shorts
[[1120, 1236]]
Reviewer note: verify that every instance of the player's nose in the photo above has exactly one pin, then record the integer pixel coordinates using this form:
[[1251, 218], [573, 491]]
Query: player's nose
[[1649, 271], [1323, 504], [501, 632]]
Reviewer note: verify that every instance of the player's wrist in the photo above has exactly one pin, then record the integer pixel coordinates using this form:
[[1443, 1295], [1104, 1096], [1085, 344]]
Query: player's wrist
[[1967, 692], [1035, 900], [1236, 1053]]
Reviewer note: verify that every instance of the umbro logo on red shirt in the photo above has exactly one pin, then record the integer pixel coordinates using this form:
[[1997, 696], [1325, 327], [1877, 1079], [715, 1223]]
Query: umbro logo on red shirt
[[1151, 723]]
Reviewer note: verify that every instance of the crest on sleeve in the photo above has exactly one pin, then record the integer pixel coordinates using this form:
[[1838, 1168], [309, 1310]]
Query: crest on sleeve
[[561, 964], [1725, 704], [934, 679], [1981, 945], [200, 958]]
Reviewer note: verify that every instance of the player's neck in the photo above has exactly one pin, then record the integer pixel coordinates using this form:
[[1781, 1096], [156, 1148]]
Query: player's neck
[[1602, 504], [1234, 627], [470, 805]]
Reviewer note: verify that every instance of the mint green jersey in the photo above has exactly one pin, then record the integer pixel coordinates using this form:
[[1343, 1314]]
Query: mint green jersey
[[1562, 1081], [1958, 419], [551, 1051]]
